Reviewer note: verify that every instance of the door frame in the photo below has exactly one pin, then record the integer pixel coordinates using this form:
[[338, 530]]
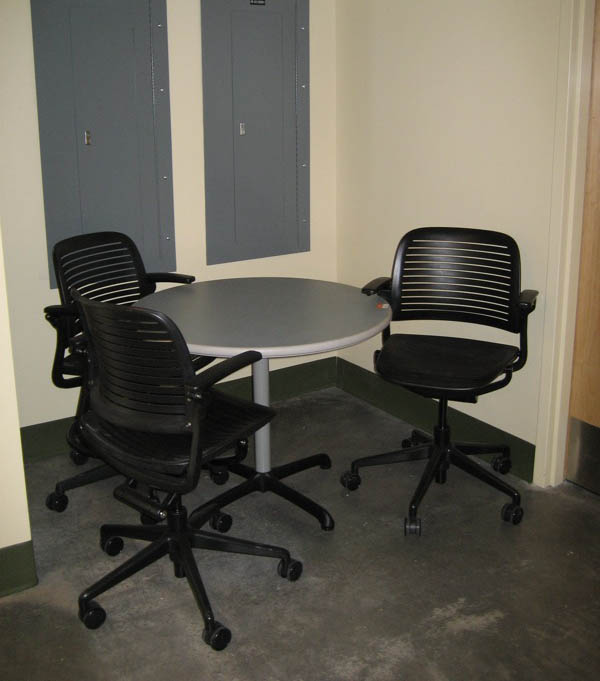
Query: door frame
[[566, 222]]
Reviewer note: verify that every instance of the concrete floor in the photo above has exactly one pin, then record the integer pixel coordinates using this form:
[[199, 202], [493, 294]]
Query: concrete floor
[[472, 599]]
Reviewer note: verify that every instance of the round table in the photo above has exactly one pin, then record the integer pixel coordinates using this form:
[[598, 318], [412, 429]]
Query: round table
[[278, 317]]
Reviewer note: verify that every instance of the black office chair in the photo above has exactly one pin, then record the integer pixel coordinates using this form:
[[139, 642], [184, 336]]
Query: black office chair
[[103, 266], [453, 274], [155, 421]]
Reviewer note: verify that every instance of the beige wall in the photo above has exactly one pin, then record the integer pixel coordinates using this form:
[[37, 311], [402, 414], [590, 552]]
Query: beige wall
[[22, 204], [23, 222], [15, 212], [448, 114], [14, 517]]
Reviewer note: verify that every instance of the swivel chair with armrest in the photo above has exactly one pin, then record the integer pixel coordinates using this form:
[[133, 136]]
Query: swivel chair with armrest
[[154, 420], [107, 267], [452, 274]]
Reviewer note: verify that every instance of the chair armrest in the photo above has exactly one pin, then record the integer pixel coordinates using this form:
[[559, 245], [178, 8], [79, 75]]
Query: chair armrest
[[54, 313], [527, 300], [63, 319], [378, 286], [208, 378], [170, 277]]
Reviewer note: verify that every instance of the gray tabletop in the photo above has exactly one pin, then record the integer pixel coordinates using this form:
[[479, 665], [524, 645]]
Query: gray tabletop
[[279, 317]]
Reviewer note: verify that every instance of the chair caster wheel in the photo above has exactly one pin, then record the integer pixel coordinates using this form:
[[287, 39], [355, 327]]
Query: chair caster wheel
[[218, 637], [241, 449], [77, 457], [219, 475], [327, 523], [92, 615], [325, 462], [416, 438], [501, 464], [221, 522], [57, 502], [350, 480], [412, 526], [112, 546], [512, 513], [293, 571]]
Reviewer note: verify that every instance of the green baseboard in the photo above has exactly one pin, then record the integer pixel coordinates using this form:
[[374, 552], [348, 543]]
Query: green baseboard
[[17, 568], [48, 439], [421, 412], [44, 440]]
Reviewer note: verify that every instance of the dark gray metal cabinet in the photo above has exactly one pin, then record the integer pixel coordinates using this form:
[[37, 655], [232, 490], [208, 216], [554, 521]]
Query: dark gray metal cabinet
[[103, 107], [256, 127]]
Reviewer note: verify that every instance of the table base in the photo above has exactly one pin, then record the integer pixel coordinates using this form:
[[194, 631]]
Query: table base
[[271, 482]]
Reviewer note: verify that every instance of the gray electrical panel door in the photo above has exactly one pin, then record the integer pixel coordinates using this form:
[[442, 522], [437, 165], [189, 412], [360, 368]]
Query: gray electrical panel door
[[256, 127], [102, 85]]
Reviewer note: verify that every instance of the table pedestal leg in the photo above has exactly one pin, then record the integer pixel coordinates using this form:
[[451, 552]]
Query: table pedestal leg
[[262, 437], [263, 478]]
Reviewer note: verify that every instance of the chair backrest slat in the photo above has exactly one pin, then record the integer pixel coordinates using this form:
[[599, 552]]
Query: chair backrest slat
[[104, 266], [457, 274]]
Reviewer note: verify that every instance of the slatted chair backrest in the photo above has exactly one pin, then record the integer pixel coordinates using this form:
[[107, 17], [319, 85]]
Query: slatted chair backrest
[[104, 266], [139, 368], [457, 274]]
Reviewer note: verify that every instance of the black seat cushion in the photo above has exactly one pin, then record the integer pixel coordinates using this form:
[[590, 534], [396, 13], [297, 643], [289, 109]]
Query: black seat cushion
[[439, 366], [228, 420]]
